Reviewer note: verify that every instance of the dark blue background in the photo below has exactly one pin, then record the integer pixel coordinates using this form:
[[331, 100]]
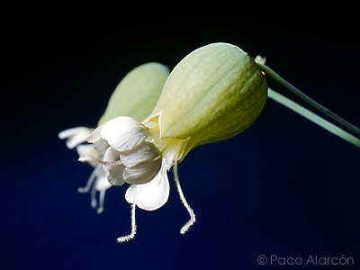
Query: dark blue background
[[283, 187]]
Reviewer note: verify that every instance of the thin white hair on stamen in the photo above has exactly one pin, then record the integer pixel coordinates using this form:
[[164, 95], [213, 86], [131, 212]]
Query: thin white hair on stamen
[[130, 236], [192, 219]]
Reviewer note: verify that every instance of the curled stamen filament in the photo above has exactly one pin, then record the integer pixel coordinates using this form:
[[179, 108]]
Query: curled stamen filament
[[192, 219], [132, 234]]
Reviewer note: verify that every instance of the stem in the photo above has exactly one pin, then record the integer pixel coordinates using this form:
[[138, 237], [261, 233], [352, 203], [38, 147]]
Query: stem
[[313, 117], [341, 121]]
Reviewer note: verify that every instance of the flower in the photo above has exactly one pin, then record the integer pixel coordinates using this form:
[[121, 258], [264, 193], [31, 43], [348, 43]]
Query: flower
[[135, 96], [132, 157], [215, 92]]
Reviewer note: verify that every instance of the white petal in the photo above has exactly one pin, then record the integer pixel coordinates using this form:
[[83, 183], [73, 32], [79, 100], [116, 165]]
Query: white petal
[[87, 153], [101, 146], [111, 158], [115, 175], [111, 155], [95, 135], [123, 133], [75, 136], [102, 183], [72, 132], [145, 153], [113, 168], [142, 173], [152, 195], [87, 150]]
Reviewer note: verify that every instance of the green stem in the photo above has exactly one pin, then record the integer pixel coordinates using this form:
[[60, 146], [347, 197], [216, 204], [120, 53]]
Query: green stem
[[313, 117], [341, 121]]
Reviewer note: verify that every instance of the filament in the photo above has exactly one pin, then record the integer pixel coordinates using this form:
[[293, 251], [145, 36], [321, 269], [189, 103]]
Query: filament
[[132, 234], [92, 177], [192, 219]]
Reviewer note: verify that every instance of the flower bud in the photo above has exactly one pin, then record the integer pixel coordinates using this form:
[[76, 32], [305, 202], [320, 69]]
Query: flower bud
[[137, 93], [214, 93]]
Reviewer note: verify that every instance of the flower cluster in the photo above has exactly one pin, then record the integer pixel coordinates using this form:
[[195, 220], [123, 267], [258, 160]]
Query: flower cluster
[[214, 93], [200, 102]]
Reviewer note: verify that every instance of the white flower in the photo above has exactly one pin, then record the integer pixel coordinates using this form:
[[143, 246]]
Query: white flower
[[130, 158], [97, 182], [134, 157]]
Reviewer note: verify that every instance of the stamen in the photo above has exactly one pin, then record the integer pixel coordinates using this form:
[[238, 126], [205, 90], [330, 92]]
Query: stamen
[[93, 197], [87, 187], [130, 236], [101, 201], [192, 219]]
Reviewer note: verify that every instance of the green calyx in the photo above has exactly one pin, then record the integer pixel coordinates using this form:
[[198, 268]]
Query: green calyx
[[214, 93], [137, 93]]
